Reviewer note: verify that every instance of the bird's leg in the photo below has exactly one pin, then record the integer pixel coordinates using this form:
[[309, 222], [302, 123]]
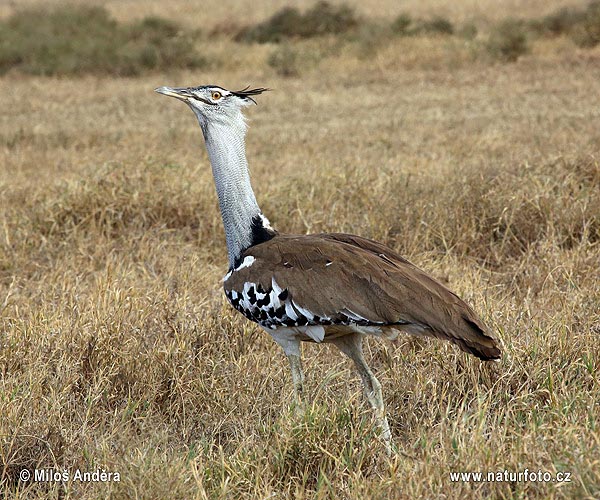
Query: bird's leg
[[291, 346], [373, 393], [298, 381], [351, 346]]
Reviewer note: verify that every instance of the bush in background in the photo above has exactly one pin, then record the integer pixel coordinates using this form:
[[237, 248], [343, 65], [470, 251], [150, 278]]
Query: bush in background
[[558, 23], [587, 33], [322, 19], [405, 25], [582, 25], [402, 24], [78, 40], [439, 25], [508, 41], [468, 31]]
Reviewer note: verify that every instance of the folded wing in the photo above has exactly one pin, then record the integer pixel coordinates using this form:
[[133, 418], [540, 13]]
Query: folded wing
[[340, 281]]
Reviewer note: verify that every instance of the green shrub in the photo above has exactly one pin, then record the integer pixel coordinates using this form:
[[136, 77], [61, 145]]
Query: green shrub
[[468, 31], [155, 29], [508, 41], [402, 24], [323, 18], [437, 25], [583, 25], [405, 25], [78, 40], [561, 22], [587, 33], [282, 24]]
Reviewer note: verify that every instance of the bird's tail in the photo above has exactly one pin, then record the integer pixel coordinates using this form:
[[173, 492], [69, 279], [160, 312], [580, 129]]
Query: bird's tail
[[477, 340], [467, 332]]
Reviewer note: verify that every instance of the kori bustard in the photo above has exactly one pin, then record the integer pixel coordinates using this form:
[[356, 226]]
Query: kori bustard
[[320, 287]]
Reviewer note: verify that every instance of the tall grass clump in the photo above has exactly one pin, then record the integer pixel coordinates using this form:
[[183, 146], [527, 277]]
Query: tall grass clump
[[284, 60], [519, 208], [321, 19], [79, 39]]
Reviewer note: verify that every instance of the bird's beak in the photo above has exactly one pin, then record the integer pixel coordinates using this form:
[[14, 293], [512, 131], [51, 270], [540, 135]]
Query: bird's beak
[[181, 93]]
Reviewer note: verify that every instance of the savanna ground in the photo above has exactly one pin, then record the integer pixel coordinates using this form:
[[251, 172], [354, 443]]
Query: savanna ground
[[118, 350]]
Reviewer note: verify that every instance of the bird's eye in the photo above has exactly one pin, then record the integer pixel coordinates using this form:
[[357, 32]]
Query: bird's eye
[[216, 95]]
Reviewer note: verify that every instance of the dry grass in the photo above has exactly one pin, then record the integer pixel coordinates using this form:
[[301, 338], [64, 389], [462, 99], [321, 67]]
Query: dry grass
[[117, 348]]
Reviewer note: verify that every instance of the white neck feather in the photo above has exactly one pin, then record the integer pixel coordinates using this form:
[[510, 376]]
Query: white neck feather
[[227, 153]]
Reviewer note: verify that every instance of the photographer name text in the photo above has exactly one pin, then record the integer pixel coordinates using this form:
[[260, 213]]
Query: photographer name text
[[65, 476]]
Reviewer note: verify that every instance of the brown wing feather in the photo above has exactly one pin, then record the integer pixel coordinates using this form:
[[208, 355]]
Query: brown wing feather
[[332, 274]]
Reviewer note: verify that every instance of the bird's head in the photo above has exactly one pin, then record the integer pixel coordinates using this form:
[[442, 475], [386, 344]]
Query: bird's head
[[213, 104]]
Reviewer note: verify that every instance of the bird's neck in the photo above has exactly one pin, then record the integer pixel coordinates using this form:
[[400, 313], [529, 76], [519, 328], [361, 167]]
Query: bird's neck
[[242, 218]]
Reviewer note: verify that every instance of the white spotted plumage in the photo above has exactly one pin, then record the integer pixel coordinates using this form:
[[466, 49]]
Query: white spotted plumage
[[275, 308], [247, 262]]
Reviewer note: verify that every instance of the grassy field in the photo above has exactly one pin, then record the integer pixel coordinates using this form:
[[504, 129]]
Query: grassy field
[[118, 350]]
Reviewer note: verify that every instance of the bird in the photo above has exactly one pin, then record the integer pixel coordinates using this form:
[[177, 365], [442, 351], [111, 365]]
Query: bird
[[326, 288]]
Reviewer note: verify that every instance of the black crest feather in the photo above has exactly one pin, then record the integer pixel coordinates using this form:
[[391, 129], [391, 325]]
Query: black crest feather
[[247, 92]]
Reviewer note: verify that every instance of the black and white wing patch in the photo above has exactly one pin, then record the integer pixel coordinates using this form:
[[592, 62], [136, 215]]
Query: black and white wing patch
[[273, 307]]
